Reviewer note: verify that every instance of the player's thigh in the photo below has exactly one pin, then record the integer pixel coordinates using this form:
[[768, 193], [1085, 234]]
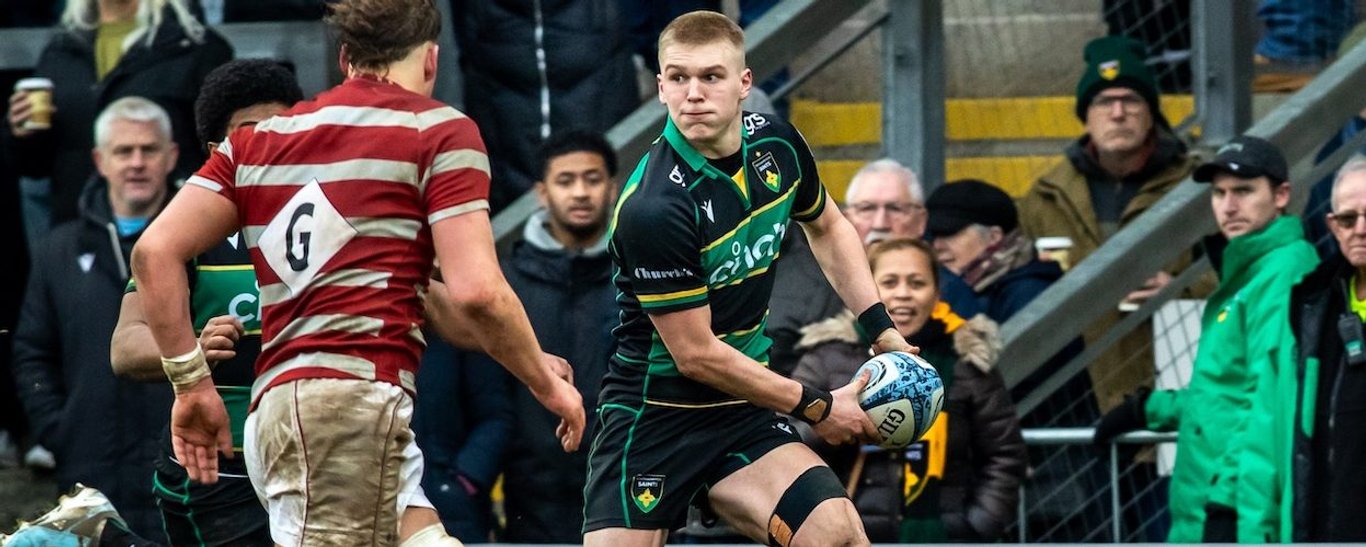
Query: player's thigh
[[813, 509], [330, 450], [625, 537]]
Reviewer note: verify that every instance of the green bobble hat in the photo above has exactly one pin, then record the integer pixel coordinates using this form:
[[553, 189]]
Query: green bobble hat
[[1116, 61]]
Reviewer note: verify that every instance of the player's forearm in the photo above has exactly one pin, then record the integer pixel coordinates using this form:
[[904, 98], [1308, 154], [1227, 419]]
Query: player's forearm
[[839, 252], [160, 275], [132, 350], [723, 367], [133, 353]]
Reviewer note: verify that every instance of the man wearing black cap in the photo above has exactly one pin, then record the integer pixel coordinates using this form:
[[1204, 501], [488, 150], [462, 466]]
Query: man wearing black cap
[[1260, 253], [1127, 160], [975, 232]]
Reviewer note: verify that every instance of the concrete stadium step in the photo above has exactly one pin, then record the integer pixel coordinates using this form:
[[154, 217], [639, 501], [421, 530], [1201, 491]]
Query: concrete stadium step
[[829, 127]]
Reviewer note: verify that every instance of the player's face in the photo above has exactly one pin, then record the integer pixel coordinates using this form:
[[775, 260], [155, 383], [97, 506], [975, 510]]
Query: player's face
[[1243, 206], [702, 85], [1349, 204], [882, 208], [577, 192], [905, 282], [136, 161], [1119, 121], [956, 251]]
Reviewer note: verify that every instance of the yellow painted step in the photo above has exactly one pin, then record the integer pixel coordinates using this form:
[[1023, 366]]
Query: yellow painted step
[[1011, 118], [1014, 174]]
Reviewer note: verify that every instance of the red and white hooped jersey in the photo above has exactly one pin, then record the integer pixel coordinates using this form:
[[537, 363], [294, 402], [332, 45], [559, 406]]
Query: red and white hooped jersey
[[336, 198]]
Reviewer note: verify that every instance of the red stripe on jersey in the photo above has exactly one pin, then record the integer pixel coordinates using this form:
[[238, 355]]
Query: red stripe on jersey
[[416, 131]]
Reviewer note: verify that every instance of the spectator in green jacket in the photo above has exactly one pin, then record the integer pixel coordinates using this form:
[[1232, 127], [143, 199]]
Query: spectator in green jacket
[[1259, 254]]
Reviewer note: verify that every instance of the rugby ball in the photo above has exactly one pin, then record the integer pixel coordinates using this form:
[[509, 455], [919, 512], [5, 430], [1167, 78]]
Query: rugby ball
[[903, 397]]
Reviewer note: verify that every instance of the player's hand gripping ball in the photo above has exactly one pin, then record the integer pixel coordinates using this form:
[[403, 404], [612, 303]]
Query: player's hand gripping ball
[[903, 397]]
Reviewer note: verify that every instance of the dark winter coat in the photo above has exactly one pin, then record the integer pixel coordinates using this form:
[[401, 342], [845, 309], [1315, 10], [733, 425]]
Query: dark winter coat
[[104, 431], [1018, 287], [985, 459], [571, 302], [537, 67], [169, 72], [1324, 475]]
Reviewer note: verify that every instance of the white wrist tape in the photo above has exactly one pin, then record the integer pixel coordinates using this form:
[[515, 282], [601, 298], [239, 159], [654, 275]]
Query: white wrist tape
[[185, 371]]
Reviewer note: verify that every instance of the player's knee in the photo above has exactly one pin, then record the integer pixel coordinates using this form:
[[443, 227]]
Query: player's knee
[[834, 522], [797, 512], [431, 536]]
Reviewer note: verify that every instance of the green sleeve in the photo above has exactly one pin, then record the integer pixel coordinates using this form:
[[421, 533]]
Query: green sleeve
[[1163, 410]]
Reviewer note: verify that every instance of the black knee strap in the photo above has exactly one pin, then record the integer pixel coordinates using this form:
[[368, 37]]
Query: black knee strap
[[809, 490]]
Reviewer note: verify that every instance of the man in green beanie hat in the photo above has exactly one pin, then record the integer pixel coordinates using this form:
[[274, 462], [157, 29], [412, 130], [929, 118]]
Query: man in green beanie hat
[[1124, 163]]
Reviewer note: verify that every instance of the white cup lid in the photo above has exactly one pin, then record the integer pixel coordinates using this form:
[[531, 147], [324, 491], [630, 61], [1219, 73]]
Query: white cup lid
[[1053, 242], [29, 84]]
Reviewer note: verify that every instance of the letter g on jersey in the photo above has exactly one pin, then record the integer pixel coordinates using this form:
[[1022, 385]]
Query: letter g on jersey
[[308, 232]]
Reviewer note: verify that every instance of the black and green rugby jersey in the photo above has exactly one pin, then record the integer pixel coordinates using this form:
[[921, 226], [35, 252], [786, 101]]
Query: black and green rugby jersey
[[686, 234], [222, 282]]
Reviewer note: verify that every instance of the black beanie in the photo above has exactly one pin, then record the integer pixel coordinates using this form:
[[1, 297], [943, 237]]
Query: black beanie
[[1116, 61]]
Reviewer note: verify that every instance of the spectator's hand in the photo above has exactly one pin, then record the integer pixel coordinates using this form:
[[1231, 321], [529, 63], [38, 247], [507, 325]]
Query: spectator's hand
[[1149, 288], [891, 340], [1128, 416], [219, 338], [847, 422], [1221, 524], [564, 401], [199, 431], [20, 110]]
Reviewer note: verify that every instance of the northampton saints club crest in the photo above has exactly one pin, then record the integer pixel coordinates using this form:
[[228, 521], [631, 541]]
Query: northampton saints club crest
[[646, 491], [767, 168], [1109, 70]]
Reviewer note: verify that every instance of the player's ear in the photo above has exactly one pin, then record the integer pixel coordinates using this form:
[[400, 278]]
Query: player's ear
[[659, 85], [429, 63], [342, 63], [746, 82]]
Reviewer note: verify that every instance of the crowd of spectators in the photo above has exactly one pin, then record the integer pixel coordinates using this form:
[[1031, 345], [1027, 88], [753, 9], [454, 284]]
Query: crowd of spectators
[[951, 266]]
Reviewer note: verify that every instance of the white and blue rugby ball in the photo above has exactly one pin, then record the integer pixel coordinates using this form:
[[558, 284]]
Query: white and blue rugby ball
[[903, 397]]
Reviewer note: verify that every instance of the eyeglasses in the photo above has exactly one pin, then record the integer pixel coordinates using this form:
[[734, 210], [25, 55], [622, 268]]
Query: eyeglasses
[[1131, 103], [1346, 219], [865, 209]]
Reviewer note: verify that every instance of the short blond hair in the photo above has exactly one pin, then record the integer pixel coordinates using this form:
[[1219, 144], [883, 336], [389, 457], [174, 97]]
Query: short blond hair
[[699, 28]]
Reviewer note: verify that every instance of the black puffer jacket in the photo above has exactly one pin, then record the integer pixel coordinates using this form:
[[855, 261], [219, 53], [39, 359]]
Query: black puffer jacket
[[571, 302], [985, 458], [587, 80], [105, 431], [169, 72]]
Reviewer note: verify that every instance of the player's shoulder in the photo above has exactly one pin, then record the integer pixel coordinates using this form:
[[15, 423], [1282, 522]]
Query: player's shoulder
[[657, 188]]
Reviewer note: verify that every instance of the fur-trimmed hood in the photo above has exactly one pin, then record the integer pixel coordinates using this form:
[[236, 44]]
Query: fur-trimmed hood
[[977, 340]]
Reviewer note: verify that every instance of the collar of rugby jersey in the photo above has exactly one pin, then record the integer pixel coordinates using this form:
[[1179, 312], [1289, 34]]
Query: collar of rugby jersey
[[698, 163]]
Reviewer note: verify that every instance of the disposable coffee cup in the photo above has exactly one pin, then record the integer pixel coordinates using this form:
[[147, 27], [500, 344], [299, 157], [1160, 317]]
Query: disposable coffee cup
[[1055, 249], [39, 92]]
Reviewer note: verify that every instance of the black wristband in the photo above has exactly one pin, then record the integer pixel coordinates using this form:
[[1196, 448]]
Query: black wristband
[[814, 405], [873, 321]]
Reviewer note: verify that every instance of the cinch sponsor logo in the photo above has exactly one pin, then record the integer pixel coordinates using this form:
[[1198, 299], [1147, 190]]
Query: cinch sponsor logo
[[676, 273], [744, 258]]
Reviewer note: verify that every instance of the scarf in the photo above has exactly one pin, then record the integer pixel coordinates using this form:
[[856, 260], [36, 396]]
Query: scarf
[[1012, 251]]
